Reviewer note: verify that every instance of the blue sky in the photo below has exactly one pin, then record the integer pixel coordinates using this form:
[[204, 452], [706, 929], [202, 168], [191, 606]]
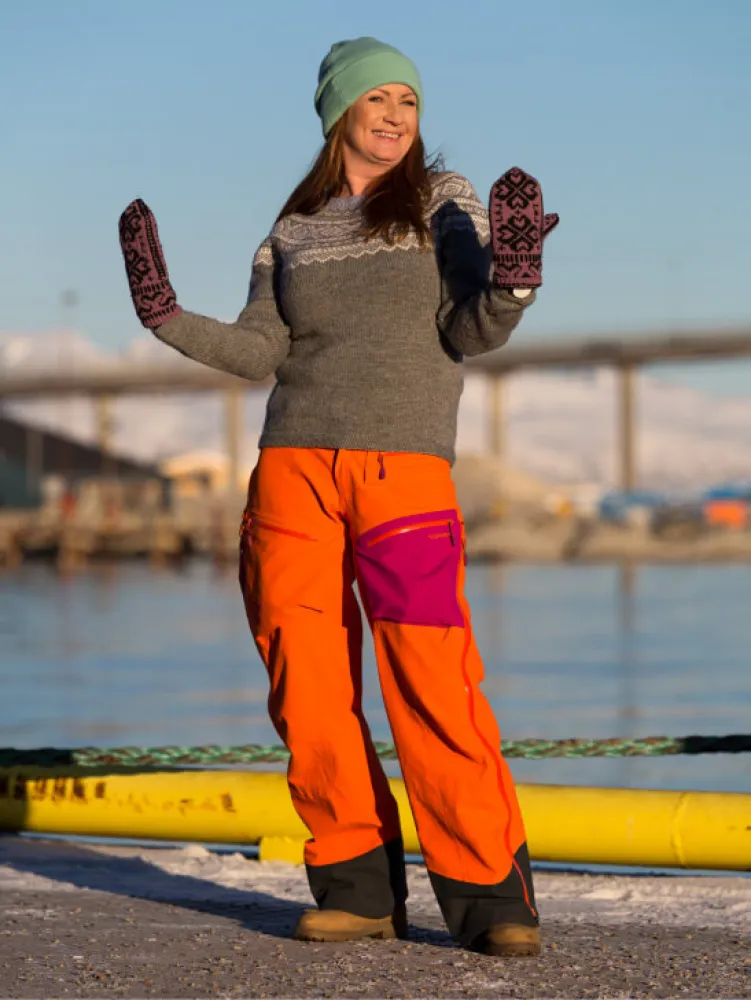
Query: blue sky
[[634, 114]]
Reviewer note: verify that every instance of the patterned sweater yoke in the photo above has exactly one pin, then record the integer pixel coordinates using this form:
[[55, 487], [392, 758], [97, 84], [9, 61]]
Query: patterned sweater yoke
[[365, 338]]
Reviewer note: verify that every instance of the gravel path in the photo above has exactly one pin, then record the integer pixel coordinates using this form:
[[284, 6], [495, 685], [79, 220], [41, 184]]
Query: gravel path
[[119, 922]]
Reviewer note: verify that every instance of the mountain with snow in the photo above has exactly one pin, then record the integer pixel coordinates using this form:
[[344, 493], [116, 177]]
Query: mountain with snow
[[559, 426]]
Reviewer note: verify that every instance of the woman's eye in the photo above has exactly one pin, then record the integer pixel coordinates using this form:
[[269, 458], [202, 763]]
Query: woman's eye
[[375, 97]]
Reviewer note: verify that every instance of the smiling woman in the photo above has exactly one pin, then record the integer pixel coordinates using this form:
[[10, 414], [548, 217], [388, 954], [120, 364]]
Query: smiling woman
[[380, 274]]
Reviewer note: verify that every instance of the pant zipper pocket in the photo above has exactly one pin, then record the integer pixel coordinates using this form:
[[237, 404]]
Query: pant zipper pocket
[[406, 529], [249, 521]]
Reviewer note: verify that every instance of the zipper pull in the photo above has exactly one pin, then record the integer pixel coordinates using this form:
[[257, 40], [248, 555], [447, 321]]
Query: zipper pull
[[451, 534], [382, 469]]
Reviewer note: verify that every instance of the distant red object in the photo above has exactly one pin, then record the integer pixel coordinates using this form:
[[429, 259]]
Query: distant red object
[[727, 513], [68, 504]]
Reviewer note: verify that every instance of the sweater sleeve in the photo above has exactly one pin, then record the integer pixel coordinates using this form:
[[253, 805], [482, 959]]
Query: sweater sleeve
[[255, 345], [474, 316]]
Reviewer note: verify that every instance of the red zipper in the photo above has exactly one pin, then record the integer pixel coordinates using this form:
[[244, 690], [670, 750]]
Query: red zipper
[[249, 521], [494, 755], [413, 527]]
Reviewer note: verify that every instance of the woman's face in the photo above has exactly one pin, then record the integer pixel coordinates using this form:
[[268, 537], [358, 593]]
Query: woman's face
[[382, 125]]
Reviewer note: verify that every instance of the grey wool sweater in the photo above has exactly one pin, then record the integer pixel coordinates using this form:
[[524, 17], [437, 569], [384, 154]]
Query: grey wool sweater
[[365, 339]]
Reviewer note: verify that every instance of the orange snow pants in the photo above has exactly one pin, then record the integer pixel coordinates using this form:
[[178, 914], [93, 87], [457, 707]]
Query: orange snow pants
[[317, 522]]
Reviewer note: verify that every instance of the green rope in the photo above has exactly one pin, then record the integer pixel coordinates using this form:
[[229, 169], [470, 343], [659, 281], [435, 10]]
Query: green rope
[[650, 746]]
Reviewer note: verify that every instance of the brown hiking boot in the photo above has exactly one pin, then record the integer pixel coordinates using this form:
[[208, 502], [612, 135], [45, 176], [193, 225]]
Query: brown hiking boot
[[337, 925], [508, 941]]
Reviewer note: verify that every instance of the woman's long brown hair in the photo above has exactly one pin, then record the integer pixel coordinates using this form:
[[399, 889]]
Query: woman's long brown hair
[[394, 203]]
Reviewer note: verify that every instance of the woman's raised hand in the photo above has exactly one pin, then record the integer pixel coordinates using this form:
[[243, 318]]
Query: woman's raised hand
[[517, 230], [153, 296]]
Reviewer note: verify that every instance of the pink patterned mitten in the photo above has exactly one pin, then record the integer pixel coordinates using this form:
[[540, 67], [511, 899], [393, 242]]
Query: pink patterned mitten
[[517, 229], [153, 295]]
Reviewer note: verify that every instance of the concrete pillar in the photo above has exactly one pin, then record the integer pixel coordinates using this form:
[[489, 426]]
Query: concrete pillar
[[497, 424], [233, 437], [34, 457], [626, 427], [103, 416]]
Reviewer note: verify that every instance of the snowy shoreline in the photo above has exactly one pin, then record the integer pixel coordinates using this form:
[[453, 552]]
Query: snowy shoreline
[[172, 875]]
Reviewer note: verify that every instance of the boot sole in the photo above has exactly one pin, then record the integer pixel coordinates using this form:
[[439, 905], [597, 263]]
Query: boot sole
[[521, 950], [387, 934]]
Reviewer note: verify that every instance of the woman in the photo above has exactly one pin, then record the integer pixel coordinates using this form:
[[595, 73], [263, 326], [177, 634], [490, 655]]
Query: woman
[[374, 283]]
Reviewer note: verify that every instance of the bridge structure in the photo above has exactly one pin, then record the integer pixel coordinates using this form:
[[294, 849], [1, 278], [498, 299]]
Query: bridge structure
[[625, 354]]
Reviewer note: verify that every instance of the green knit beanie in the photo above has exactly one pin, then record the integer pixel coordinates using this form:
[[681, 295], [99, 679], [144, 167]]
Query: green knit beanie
[[353, 68]]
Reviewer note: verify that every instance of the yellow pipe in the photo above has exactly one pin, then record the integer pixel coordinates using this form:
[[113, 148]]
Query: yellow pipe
[[611, 826]]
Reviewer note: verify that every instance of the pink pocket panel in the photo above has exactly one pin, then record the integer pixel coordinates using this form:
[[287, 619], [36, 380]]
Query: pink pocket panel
[[408, 569]]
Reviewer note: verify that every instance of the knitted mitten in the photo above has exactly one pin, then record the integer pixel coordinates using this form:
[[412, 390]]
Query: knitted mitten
[[153, 295], [517, 228]]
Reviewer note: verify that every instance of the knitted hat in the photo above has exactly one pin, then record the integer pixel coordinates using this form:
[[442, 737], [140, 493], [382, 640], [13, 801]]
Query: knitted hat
[[353, 68]]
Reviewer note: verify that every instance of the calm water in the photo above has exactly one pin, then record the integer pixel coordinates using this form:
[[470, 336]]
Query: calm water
[[127, 655]]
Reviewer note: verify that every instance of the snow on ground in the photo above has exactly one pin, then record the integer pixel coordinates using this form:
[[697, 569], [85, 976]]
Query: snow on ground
[[191, 873]]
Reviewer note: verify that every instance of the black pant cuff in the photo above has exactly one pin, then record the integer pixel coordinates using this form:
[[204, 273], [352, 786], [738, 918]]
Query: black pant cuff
[[370, 885]]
